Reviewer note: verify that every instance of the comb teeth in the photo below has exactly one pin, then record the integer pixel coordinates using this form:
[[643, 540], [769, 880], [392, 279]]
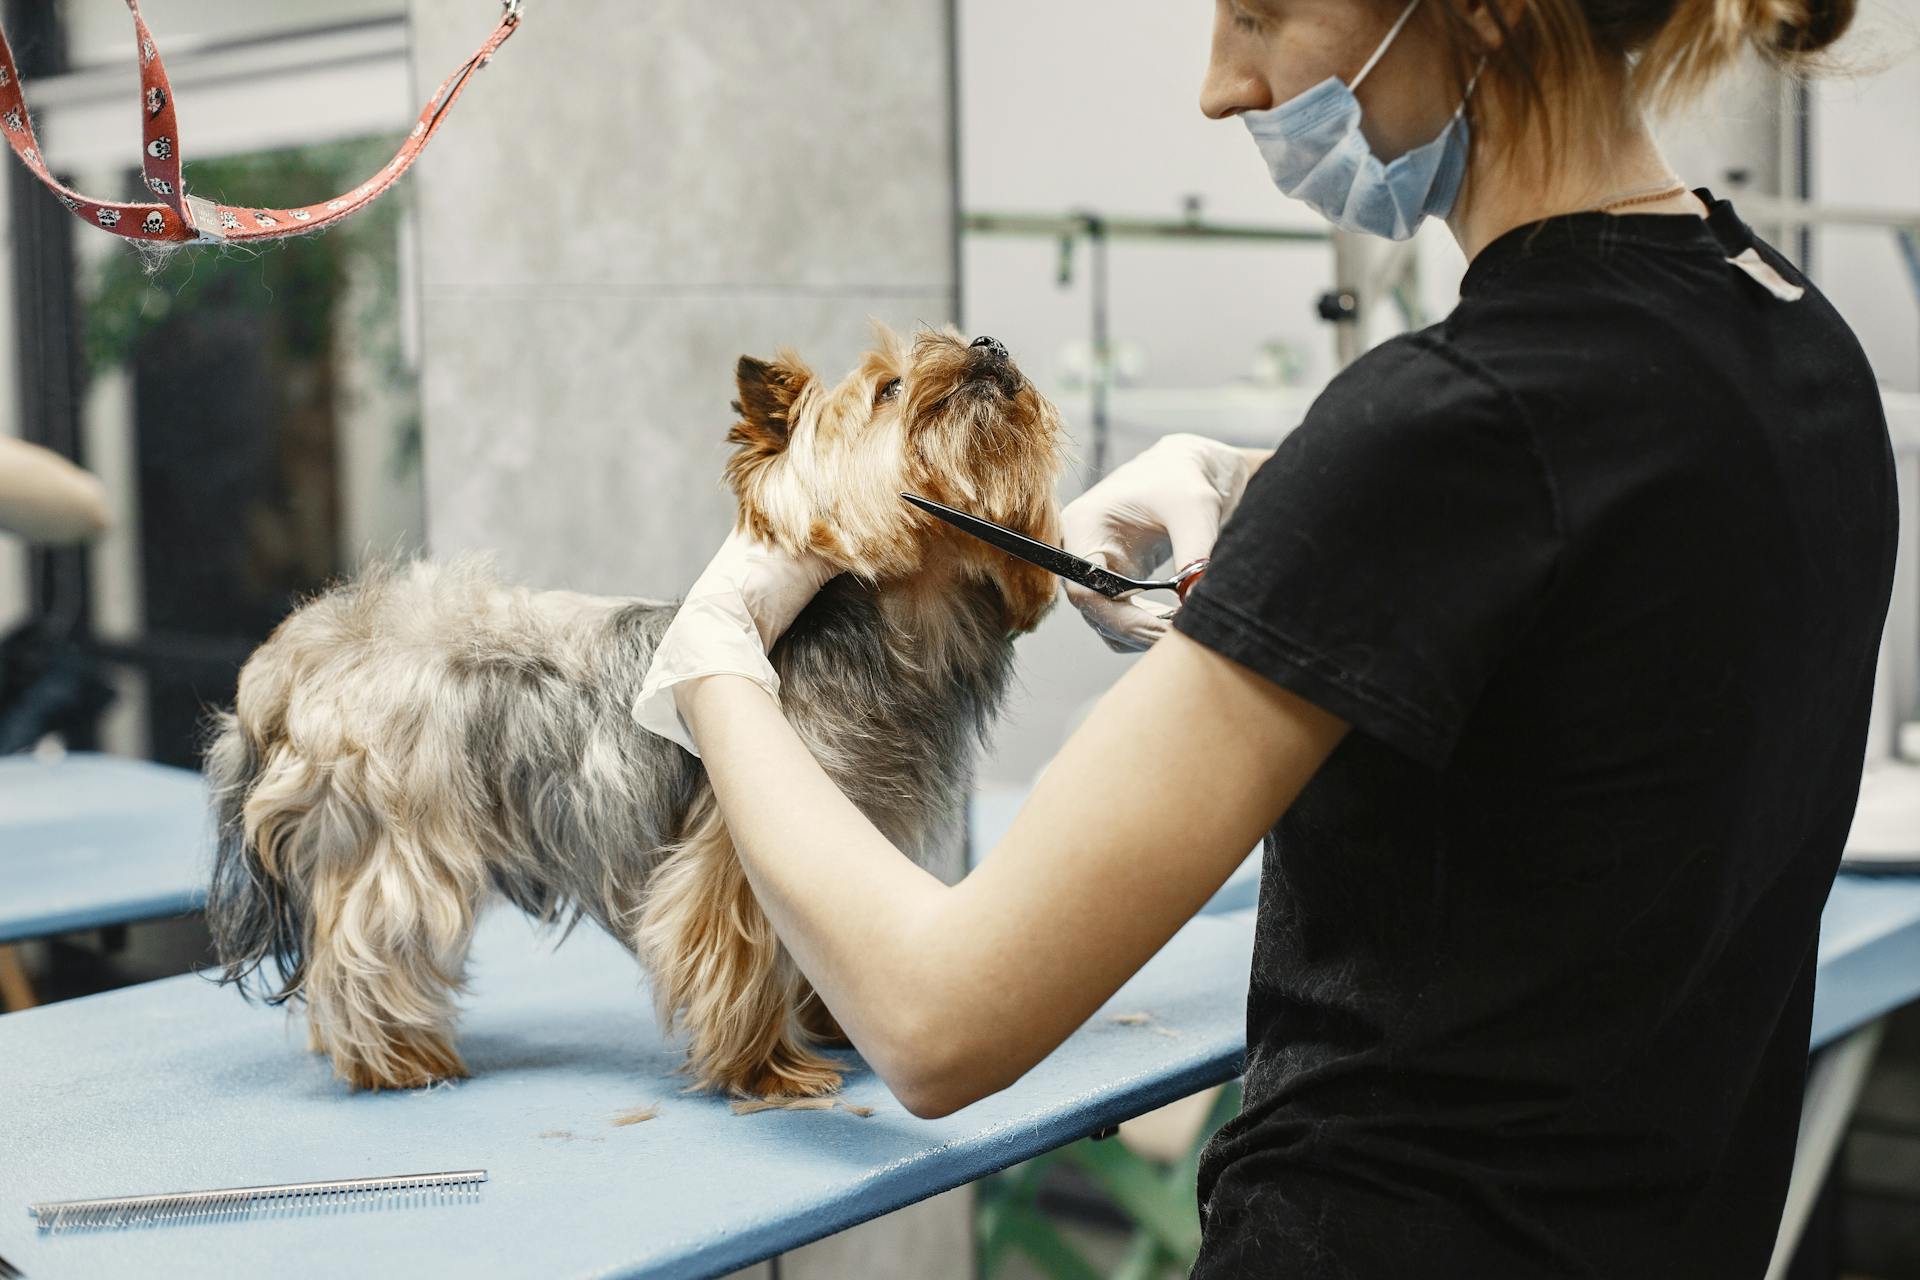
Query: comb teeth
[[402, 1191]]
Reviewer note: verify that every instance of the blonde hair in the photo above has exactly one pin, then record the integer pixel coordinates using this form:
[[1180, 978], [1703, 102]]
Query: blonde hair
[[1566, 66]]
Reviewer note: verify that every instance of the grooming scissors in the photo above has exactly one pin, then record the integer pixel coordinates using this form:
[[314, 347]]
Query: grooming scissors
[[1112, 585]]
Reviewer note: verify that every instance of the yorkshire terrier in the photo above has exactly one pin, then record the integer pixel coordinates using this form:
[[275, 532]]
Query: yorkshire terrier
[[408, 743]]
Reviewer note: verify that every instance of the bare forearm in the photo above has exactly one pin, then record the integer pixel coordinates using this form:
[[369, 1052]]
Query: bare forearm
[[46, 498], [936, 986], [953, 993]]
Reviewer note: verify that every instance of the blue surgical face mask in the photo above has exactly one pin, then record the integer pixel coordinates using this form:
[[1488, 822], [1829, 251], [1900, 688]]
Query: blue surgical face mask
[[1316, 152]]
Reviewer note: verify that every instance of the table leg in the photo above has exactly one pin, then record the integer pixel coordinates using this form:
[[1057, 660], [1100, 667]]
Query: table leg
[[15, 991], [1833, 1088]]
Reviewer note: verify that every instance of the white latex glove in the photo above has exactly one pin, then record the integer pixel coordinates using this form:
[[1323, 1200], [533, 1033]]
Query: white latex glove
[[1169, 500], [747, 597]]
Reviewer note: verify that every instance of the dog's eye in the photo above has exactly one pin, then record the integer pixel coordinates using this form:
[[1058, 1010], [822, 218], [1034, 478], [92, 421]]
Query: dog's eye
[[888, 391]]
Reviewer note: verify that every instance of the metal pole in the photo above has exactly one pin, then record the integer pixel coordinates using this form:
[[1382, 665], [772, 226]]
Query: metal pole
[[1102, 345], [1054, 225], [1343, 306]]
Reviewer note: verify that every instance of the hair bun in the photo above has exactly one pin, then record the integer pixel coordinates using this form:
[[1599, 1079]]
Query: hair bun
[[1806, 28]]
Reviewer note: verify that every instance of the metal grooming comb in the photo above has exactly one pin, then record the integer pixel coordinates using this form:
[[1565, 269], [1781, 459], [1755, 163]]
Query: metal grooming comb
[[199, 1206]]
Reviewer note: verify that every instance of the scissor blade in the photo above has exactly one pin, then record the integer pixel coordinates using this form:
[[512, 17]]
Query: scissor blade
[[1032, 550]]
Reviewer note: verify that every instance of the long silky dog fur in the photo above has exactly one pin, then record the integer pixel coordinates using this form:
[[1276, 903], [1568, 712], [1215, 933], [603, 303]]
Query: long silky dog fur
[[414, 741]]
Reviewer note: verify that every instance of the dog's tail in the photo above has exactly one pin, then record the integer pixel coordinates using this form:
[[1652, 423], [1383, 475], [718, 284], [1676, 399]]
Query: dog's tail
[[344, 869], [254, 918]]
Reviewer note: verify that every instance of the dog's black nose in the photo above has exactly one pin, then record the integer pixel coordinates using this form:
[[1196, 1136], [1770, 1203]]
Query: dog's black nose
[[993, 345]]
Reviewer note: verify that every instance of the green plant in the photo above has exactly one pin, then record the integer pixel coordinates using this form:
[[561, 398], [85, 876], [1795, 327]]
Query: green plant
[[303, 281]]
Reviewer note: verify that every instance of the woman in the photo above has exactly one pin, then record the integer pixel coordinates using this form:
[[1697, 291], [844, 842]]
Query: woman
[[1543, 647]]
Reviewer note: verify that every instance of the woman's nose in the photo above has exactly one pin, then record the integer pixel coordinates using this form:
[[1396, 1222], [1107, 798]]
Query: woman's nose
[[1227, 91]]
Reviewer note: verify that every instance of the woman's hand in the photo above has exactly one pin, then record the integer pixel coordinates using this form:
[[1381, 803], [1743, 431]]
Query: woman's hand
[[1171, 498], [748, 596]]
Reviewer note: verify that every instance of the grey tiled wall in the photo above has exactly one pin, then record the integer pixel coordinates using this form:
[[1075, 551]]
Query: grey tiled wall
[[630, 197]]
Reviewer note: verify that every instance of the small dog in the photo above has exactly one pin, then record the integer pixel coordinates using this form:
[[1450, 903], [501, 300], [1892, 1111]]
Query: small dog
[[406, 744]]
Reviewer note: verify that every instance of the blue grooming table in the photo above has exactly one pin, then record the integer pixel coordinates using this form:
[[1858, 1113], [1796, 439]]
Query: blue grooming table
[[177, 1085], [90, 840], [1869, 953]]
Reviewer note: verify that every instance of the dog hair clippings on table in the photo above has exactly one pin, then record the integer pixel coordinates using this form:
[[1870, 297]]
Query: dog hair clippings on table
[[183, 219]]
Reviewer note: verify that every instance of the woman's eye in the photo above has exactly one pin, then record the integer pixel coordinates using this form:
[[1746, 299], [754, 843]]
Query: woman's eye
[[888, 391], [1244, 20]]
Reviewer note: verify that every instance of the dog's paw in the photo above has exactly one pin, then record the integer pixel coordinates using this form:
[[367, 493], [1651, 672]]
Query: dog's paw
[[406, 1064], [799, 1076], [362, 1078]]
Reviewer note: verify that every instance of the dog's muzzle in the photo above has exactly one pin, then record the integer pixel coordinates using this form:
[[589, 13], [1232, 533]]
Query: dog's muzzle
[[990, 364]]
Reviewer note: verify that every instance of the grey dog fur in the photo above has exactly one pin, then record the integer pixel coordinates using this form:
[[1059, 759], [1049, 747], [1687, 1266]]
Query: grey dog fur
[[541, 721]]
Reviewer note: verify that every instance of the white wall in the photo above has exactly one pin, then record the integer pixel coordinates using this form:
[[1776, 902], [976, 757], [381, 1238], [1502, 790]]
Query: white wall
[[1866, 149], [100, 31], [1094, 104]]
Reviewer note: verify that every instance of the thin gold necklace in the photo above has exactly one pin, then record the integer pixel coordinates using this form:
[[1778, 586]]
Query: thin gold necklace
[[1672, 189]]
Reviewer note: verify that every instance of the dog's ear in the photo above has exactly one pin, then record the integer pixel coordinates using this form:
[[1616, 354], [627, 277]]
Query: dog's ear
[[765, 406], [768, 393]]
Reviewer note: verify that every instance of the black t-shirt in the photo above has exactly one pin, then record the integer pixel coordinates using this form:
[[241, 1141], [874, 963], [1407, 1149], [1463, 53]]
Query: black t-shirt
[[1597, 569]]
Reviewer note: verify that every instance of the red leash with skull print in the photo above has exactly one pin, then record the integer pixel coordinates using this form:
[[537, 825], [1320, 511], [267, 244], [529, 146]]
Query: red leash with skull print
[[184, 219]]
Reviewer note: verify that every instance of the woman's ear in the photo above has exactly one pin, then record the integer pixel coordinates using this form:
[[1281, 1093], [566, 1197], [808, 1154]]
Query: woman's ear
[[1493, 21]]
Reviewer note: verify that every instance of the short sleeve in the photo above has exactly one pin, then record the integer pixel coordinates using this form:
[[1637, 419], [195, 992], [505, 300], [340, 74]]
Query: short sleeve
[[1393, 550]]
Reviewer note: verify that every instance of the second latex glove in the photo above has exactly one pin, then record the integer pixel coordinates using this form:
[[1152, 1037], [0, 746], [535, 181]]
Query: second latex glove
[[747, 597], [1170, 499]]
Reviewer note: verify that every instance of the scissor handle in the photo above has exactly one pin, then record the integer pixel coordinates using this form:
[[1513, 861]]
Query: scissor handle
[[1188, 576]]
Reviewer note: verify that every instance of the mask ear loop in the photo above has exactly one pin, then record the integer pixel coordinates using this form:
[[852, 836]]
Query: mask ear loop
[[1393, 34], [1472, 80]]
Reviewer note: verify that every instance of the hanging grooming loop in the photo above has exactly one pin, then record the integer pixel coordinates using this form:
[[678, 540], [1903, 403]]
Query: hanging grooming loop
[[180, 218]]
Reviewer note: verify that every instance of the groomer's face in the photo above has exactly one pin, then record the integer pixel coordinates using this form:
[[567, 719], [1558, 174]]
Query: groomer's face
[[1267, 51]]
